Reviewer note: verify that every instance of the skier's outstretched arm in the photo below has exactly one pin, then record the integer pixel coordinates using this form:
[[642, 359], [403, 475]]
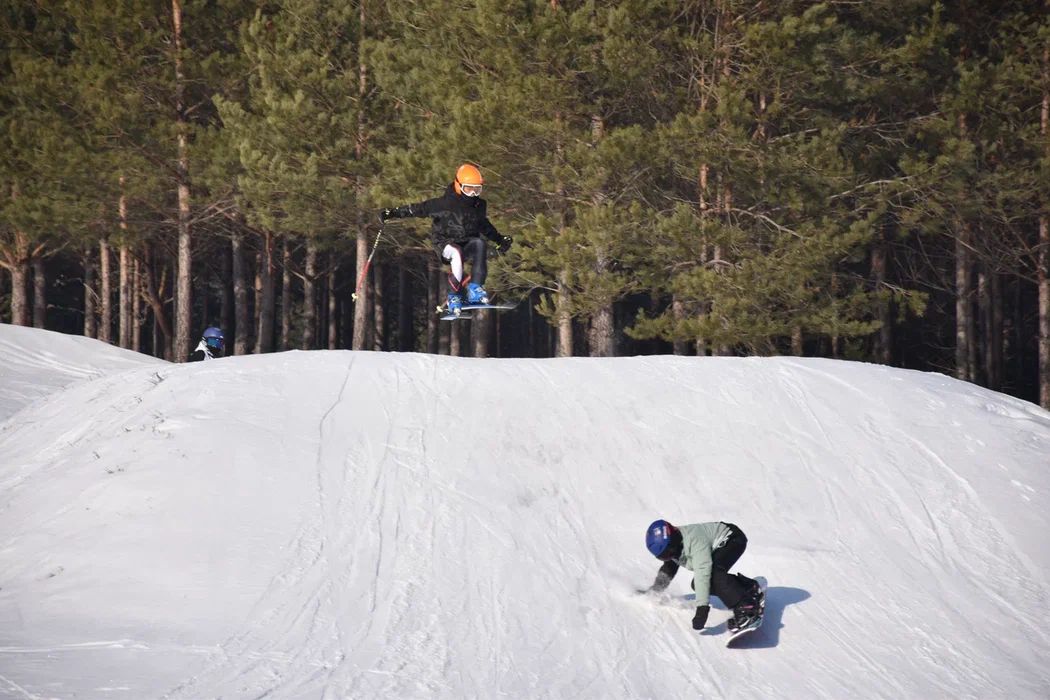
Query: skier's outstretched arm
[[418, 210]]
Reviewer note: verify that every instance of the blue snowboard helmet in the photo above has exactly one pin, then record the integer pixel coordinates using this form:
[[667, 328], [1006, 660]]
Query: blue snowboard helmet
[[659, 537], [214, 338]]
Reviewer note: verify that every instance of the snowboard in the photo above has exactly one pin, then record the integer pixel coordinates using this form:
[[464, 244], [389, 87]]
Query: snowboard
[[743, 632]]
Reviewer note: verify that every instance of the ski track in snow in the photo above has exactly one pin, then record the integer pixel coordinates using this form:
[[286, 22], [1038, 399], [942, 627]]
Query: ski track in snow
[[382, 525]]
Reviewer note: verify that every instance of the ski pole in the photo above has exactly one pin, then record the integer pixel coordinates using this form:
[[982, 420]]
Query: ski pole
[[368, 263]]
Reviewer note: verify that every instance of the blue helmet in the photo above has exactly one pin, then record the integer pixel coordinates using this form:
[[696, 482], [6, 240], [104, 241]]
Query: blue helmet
[[214, 338], [658, 537]]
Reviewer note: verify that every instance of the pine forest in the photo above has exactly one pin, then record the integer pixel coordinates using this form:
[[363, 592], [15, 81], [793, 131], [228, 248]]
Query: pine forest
[[865, 181]]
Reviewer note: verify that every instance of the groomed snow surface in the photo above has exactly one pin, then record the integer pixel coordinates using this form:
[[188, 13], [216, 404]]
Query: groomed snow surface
[[365, 525]]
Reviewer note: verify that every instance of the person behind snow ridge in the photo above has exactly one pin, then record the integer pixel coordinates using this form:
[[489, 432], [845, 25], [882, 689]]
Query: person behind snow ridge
[[212, 345], [460, 219], [708, 550]]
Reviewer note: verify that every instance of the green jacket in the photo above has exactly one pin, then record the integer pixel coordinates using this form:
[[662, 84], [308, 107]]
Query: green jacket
[[698, 541]]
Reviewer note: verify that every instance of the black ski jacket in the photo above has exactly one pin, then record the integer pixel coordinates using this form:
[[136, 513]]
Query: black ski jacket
[[455, 218]]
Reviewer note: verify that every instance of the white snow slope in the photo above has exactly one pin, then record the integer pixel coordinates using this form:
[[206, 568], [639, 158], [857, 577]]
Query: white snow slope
[[326, 525], [34, 363]]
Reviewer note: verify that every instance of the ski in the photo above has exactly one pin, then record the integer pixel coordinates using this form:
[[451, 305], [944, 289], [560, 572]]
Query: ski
[[447, 315]]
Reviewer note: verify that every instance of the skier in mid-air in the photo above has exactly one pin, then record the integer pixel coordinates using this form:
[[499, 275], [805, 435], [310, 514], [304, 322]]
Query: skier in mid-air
[[460, 219], [708, 550], [212, 345]]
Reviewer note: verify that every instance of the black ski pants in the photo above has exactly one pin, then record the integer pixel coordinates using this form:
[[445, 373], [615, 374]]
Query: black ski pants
[[731, 589], [474, 250]]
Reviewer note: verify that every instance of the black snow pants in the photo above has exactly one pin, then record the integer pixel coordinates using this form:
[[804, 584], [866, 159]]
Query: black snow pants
[[472, 250], [731, 589]]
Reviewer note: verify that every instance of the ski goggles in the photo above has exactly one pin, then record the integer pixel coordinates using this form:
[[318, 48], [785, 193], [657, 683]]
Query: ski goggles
[[471, 190], [214, 343]]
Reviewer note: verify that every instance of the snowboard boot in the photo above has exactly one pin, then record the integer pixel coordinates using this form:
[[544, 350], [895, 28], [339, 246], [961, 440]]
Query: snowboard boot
[[455, 303], [476, 295], [749, 608]]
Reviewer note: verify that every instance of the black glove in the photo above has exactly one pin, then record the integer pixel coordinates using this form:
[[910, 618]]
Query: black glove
[[398, 213], [700, 619], [661, 583], [504, 244]]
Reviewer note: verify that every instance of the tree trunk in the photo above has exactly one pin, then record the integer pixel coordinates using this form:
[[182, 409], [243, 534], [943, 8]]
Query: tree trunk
[[333, 308], [310, 296], [257, 286], [154, 294], [481, 328], [124, 302], [681, 347], [1043, 262], [105, 323], [90, 296], [286, 294], [379, 307], [242, 333], [963, 304], [884, 310], [994, 343], [156, 336], [15, 259], [19, 296], [433, 299], [444, 329], [562, 304], [602, 336], [184, 290], [361, 303], [136, 305], [405, 340], [602, 331], [226, 295], [455, 339], [991, 334], [265, 299], [321, 332], [39, 293], [346, 323], [1043, 281]]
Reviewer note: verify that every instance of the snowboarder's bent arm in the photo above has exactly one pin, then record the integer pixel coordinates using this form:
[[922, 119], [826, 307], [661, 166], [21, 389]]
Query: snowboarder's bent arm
[[702, 577]]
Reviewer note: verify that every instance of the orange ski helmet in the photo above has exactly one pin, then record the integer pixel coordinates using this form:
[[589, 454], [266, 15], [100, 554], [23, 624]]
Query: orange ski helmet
[[468, 180]]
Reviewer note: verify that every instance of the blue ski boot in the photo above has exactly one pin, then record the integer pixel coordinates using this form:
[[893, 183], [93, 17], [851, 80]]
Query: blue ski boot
[[476, 295], [455, 303]]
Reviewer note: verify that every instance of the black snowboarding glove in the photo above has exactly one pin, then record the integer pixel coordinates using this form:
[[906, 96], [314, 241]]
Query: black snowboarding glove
[[398, 213], [504, 244], [700, 619], [662, 582]]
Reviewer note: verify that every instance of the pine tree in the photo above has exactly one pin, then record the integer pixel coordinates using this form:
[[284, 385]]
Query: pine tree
[[45, 155], [760, 259], [296, 130]]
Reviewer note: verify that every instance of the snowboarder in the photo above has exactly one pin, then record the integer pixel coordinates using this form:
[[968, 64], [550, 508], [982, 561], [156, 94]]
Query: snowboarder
[[212, 345], [459, 221], [708, 550]]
